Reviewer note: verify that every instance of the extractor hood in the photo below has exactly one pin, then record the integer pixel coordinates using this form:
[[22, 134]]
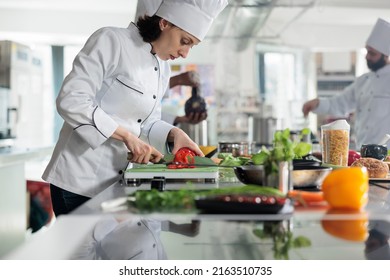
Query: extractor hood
[[242, 20]]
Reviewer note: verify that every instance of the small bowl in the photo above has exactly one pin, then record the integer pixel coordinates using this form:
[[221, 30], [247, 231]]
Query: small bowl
[[309, 176], [250, 174], [374, 151]]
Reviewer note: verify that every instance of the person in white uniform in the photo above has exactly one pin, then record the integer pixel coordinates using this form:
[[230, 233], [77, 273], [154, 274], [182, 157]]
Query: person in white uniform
[[188, 78], [368, 96], [111, 100]]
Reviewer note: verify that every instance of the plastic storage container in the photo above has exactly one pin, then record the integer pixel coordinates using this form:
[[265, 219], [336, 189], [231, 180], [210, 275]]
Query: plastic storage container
[[335, 142]]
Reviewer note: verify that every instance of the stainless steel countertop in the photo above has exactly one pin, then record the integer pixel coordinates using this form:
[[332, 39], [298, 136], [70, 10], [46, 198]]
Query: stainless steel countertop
[[88, 230]]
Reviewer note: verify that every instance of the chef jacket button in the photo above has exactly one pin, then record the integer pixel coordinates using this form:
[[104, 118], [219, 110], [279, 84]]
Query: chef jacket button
[[139, 223], [139, 120], [154, 96], [155, 68], [154, 245]]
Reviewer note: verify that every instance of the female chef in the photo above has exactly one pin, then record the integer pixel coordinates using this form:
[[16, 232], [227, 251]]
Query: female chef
[[111, 100]]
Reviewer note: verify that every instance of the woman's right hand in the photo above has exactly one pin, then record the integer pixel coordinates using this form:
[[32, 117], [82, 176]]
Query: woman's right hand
[[141, 151]]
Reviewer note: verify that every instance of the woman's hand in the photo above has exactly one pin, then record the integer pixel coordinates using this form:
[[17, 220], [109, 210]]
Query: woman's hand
[[180, 139], [140, 151]]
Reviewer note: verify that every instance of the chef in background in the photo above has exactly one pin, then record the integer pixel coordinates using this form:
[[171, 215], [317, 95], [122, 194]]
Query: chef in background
[[111, 100], [369, 96], [188, 78]]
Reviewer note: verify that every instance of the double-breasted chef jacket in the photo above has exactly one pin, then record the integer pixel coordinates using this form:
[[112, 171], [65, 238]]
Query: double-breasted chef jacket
[[369, 97], [115, 81]]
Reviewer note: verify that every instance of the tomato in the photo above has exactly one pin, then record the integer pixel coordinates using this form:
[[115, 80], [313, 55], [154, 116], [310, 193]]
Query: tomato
[[346, 188], [183, 159], [352, 156]]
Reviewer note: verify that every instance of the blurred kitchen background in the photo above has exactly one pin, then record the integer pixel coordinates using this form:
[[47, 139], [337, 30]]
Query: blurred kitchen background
[[259, 63]]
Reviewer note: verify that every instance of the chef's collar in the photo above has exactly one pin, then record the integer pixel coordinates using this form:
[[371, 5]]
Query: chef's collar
[[139, 40], [385, 70]]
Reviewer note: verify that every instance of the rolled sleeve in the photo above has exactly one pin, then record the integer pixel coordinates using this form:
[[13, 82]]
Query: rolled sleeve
[[158, 134]]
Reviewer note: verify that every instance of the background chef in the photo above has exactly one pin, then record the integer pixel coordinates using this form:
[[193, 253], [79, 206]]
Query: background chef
[[111, 100], [368, 96]]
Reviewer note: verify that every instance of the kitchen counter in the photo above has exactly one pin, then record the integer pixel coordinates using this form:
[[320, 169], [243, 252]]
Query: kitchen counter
[[120, 233], [13, 199]]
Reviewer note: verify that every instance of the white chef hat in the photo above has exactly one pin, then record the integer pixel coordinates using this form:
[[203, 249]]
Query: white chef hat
[[193, 16], [379, 38], [147, 7]]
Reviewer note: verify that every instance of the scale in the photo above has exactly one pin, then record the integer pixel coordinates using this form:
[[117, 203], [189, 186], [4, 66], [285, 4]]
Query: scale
[[138, 174]]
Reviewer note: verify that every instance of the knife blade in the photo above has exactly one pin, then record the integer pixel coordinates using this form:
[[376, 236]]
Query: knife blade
[[165, 160]]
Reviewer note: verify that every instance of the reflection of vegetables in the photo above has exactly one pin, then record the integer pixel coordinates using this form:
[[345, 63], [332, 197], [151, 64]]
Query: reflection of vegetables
[[183, 199], [352, 230], [346, 188], [283, 239], [284, 149]]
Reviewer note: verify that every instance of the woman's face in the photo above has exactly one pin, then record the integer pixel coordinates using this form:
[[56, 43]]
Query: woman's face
[[173, 42]]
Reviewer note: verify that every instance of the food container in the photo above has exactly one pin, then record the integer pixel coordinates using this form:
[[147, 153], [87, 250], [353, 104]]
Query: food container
[[236, 148], [374, 151], [335, 143]]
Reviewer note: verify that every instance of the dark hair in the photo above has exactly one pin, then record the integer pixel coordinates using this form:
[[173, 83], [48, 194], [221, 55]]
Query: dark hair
[[149, 28]]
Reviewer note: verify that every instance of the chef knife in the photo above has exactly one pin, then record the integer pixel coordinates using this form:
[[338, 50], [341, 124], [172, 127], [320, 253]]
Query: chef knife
[[165, 160]]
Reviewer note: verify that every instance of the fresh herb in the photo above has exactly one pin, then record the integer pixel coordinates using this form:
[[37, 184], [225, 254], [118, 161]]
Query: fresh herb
[[229, 160], [284, 149], [184, 199]]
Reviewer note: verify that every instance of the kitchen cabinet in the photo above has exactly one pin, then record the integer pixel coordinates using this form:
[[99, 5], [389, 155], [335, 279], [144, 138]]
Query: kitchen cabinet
[[234, 115], [14, 205], [329, 85]]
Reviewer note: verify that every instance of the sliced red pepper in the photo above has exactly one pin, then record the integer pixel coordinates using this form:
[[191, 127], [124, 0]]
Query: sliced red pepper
[[183, 159]]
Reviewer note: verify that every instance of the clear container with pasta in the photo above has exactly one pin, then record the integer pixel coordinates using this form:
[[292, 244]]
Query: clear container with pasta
[[335, 142]]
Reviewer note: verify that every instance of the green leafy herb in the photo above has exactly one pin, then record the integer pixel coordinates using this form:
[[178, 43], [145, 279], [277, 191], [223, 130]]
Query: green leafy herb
[[184, 199], [283, 239], [284, 149]]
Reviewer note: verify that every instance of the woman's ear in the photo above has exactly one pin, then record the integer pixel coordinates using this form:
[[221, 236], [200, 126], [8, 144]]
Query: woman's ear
[[163, 24]]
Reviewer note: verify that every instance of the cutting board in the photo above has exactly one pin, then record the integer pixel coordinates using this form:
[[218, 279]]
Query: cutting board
[[160, 170]]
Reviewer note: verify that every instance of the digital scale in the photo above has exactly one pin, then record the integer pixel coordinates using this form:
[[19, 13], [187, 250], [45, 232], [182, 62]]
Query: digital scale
[[139, 174]]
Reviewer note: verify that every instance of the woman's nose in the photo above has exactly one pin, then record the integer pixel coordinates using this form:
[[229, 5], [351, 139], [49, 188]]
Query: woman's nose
[[184, 52]]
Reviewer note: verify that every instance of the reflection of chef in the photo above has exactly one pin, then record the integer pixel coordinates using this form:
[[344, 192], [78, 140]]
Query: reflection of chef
[[130, 239], [377, 245]]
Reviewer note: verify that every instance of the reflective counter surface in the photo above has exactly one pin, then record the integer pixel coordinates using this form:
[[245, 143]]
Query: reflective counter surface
[[304, 233]]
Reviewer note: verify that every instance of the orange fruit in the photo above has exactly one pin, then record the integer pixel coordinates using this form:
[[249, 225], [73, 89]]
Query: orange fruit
[[353, 229], [346, 188]]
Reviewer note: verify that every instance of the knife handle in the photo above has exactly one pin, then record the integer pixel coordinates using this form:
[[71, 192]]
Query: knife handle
[[130, 156]]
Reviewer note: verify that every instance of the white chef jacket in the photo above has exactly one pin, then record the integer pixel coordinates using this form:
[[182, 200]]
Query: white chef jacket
[[369, 98], [115, 80]]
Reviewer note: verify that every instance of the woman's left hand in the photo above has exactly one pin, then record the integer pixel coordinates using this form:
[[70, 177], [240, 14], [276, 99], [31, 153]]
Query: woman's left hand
[[181, 139]]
